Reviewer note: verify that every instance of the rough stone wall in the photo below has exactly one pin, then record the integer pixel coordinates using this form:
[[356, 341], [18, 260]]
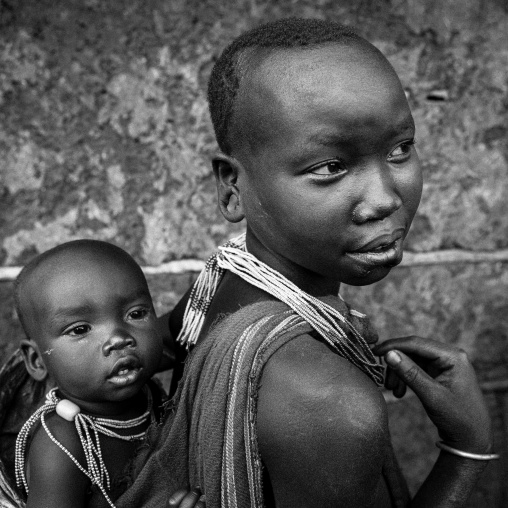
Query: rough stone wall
[[104, 133]]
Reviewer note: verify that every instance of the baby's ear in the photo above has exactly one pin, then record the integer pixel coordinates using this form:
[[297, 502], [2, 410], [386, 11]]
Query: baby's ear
[[33, 360], [225, 170]]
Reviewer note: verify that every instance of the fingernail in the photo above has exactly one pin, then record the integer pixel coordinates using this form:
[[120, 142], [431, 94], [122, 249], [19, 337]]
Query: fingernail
[[393, 358]]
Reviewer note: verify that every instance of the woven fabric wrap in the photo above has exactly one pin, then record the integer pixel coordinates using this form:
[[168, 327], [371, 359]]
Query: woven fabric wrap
[[20, 395], [208, 437]]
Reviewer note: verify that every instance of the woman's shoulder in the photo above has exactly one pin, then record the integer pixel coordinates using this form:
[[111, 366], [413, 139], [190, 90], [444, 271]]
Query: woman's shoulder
[[305, 379], [320, 422]]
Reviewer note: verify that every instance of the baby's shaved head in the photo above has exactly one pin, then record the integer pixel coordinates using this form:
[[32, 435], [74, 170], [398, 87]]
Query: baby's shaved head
[[237, 59], [54, 259]]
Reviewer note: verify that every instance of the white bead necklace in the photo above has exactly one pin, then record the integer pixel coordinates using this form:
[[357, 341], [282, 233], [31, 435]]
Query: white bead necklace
[[325, 319], [88, 429]]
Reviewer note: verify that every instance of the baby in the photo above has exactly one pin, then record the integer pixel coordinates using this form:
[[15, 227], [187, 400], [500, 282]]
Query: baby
[[92, 336]]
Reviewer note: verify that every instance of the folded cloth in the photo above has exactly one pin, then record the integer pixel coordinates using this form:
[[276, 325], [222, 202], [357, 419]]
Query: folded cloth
[[20, 396], [208, 435]]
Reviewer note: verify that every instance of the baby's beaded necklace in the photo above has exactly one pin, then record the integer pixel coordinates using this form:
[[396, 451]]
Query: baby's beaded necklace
[[88, 429], [325, 319]]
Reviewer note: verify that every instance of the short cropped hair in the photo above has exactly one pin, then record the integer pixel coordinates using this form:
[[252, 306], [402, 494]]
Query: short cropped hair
[[285, 33]]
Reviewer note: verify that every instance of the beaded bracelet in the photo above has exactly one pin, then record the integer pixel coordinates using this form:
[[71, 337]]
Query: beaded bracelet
[[467, 455]]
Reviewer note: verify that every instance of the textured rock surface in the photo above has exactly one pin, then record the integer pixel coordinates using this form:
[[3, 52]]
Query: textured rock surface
[[104, 128], [104, 133]]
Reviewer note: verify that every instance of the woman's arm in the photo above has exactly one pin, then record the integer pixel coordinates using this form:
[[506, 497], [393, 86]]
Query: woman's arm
[[445, 382]]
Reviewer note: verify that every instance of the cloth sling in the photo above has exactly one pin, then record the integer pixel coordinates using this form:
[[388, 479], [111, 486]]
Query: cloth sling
[[208, 435]]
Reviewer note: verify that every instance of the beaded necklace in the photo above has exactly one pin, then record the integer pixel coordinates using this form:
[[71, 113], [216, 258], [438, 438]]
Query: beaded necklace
[[88, 429], [326, 320]]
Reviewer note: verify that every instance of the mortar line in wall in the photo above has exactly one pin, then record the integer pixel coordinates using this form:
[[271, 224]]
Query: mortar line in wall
[[440, 257]]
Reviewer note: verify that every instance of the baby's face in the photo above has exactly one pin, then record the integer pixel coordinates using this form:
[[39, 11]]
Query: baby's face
[[332, 180], [95, 327]]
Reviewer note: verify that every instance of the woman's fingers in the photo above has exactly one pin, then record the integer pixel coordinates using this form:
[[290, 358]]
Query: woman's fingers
[[411, 374], [445, 382], [435, 358], [394, 383], [425, 348]]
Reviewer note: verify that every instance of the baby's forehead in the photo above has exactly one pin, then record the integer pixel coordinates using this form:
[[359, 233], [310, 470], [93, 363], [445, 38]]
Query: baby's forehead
[[76, 258], [76, 261]]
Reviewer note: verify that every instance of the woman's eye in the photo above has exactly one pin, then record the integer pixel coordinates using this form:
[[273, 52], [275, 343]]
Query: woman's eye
[[78, 330], [401, 153], [138, 314], [327, 168]]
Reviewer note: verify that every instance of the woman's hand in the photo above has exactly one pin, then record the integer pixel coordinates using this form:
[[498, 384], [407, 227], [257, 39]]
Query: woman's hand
[[445, 382], [187, 499]]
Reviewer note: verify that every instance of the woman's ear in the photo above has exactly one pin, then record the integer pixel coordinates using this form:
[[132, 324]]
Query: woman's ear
[[33, 360], [225, 170]]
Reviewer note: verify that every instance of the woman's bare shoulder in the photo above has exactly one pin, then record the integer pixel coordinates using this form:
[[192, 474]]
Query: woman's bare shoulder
[[322, 425]]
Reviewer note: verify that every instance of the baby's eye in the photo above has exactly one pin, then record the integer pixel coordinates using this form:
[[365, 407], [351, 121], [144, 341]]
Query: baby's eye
[[138, 314], [78, 330], [328, 168], [401, 153]]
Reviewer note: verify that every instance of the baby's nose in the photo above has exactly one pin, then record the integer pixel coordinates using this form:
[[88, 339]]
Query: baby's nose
[[117, 342]]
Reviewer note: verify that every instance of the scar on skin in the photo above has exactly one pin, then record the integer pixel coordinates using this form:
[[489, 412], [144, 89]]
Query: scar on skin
[[49, 351]]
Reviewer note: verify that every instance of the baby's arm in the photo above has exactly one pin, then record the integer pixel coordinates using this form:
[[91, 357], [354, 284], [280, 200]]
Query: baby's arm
[[169, 326], [168, 344], [187, 499], [54, 480], [445, 382]]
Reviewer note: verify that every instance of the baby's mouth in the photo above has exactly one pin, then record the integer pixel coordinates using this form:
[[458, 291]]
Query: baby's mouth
[[125, 371]]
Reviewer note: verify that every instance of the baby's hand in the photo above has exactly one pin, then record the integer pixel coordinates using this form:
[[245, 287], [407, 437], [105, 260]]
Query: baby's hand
[[187, 499], [445, 382]]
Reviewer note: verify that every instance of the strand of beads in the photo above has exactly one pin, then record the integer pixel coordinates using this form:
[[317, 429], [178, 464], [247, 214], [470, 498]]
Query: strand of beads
[[326, 320], [88, 429], [201, 296]]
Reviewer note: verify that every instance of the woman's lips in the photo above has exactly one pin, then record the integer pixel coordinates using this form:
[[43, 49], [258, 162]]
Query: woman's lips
[[384, 254], [382, 241]]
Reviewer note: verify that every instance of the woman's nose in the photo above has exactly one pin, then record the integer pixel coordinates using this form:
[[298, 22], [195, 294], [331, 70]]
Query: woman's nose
[[118, 341], [379, 199]]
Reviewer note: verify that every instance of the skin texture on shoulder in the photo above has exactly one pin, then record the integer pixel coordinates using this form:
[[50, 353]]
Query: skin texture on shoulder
[[320, 414], [53, 478], [47, 462]]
